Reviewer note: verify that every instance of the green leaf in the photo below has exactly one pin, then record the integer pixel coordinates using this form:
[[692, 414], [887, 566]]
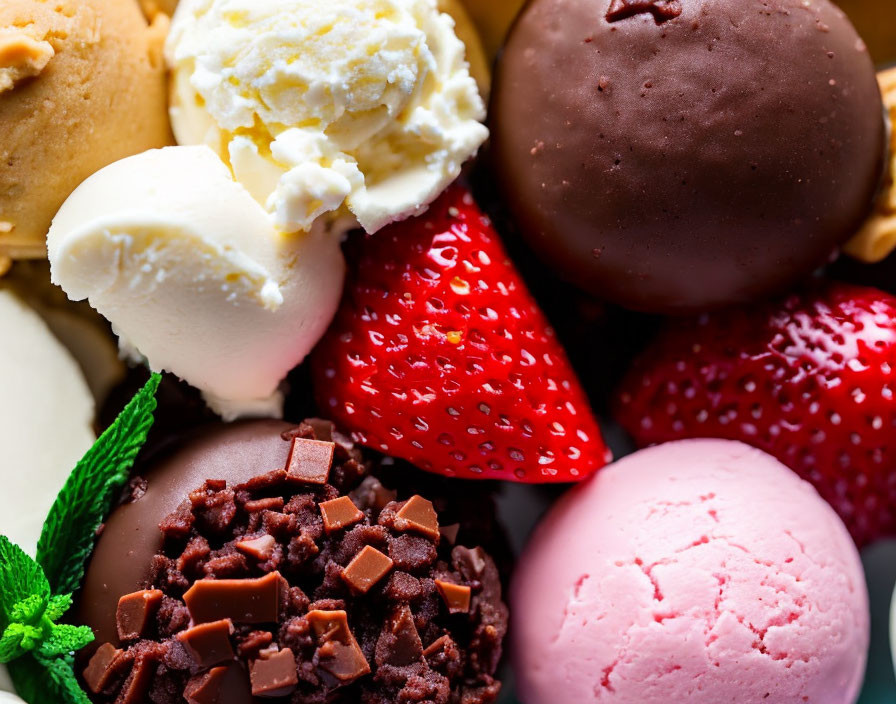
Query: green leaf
[[57, 606], [65, 639], [40, 680], [62, 675], [20, 578], [30, 609], [70, 529], [18, 639]]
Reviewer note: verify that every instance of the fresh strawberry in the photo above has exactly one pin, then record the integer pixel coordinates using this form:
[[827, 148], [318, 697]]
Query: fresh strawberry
[[440, 355], [810, 380]]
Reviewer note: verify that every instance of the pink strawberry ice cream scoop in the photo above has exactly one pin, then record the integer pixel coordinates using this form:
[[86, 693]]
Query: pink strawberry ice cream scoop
[[698, 571]]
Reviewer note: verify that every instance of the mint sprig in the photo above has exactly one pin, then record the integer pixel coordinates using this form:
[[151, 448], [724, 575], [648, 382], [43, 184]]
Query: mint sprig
[[35, 594], [37, 647], [80, 508]]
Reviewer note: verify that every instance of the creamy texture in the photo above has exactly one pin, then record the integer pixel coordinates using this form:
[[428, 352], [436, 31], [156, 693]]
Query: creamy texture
[[701, 571], [82, 84], [327, 106], [194, 277], [46, 416], [80, 329]]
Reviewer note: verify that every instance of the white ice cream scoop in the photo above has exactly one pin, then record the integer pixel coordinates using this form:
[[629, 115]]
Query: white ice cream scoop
[[46, 417], [194, 276], [324, 106]]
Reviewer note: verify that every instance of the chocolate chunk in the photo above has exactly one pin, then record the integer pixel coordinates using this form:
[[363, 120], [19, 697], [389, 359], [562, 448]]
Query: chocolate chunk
[[252, 643], [457, 597], [418, 515], [470, 562], [330, 624], [260, 548], [372, 494], [274, 675], [101, 668], [242, 600], [438, 646], [208, 643], [366, 569], [449, 533], [310, 460], [399, 643], [273, 503], [220, 685], [338, 652], [135, 611], [133, 691], [339, 513]]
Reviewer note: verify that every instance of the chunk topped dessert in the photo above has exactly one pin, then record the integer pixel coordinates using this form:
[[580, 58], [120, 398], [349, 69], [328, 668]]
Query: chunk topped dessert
[[303, 579]]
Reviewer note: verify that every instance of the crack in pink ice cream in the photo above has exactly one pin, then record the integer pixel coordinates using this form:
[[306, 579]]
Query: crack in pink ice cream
[[700, 571]]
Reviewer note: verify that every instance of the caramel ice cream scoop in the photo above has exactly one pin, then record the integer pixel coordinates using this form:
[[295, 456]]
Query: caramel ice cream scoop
[[82, 84]]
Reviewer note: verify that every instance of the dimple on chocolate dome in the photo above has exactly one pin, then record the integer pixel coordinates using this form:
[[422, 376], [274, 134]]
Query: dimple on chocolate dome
[[679, 155], [265, 562]]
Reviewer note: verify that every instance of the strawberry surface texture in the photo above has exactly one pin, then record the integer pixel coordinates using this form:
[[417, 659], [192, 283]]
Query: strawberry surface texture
[[809, 379], [440, 355]]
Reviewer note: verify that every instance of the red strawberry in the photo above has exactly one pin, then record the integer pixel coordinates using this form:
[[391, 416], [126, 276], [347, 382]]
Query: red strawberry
[[810, 380], [439, 355]]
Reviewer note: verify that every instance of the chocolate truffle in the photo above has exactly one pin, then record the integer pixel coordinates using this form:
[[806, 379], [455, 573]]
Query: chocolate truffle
[[679, 155], [265, 561]]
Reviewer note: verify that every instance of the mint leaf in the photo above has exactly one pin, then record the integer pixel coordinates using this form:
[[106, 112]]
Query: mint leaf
[[64, 682], [18, 639], [29, 610], [20, 578], [70, 529], [40, 680], [65, 640], [57, 606]]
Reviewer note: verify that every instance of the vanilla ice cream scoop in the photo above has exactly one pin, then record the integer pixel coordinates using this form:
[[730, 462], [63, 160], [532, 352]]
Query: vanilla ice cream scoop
[[323, 106], [194, 277], [46, 425]]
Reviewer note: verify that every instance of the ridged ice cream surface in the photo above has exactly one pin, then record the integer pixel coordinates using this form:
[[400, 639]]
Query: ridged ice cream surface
[[327, 106]]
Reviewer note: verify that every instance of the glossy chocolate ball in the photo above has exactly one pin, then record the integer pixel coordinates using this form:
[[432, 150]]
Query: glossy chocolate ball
[[674, 156]]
